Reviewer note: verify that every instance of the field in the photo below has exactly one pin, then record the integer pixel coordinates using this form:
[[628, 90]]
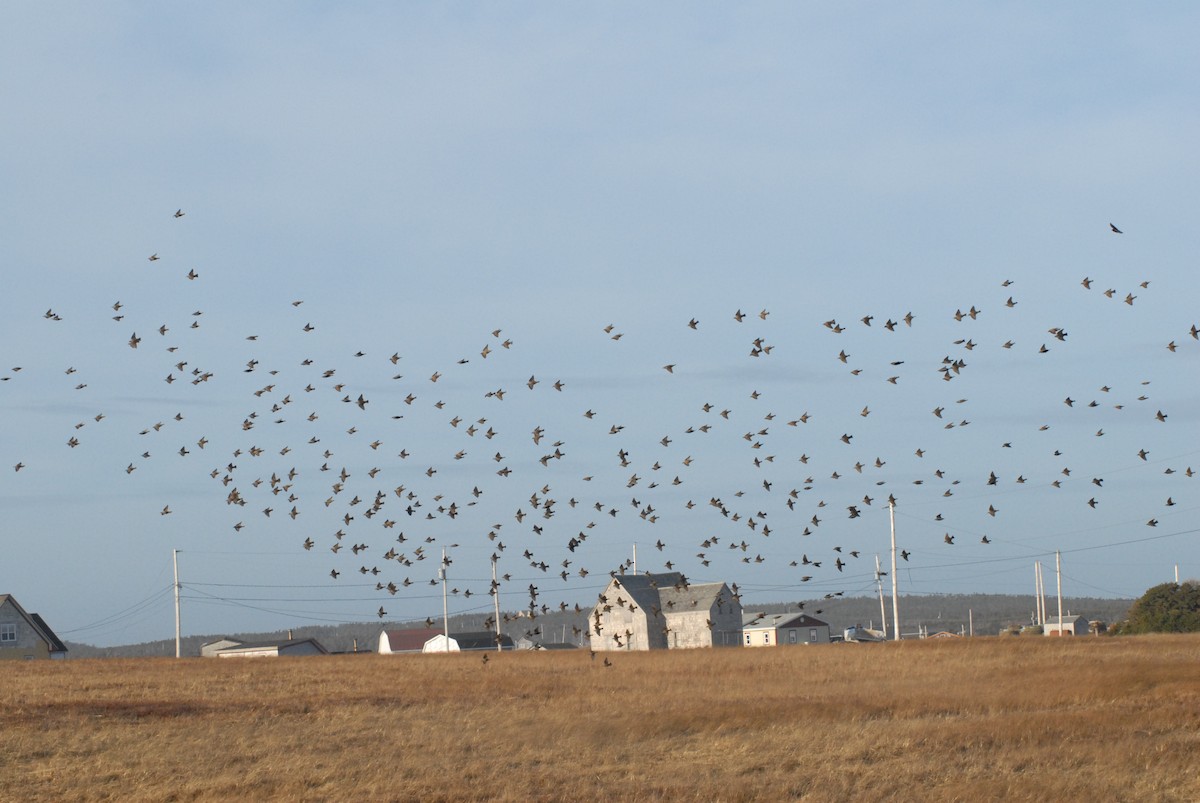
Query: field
[[982, 719]]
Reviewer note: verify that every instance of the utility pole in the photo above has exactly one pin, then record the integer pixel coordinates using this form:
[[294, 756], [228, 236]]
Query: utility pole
[[635, 559], [1037, 592], [971, 620], [895, 592], [1041, 592], [175, 562], [1058, 573], [879, 586], [1176, 574], [445, 604], [496, 601]]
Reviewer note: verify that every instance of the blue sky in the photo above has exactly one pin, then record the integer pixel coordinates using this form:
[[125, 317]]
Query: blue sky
[[422, 175]]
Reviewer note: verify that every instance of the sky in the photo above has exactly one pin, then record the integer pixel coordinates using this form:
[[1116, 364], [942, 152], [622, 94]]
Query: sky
[[443, 210]]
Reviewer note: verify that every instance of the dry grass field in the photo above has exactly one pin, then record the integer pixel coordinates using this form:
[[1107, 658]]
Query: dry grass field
[[986, 719]]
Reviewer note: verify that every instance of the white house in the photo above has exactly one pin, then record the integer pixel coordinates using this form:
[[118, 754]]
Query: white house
[[211, 649], [467, 642], [26, 636], [274, 649], [1072, 625], [664, 611], [773, 629]]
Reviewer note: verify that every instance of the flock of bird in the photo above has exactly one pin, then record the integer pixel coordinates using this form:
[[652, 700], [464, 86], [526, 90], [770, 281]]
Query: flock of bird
[[389, 471]]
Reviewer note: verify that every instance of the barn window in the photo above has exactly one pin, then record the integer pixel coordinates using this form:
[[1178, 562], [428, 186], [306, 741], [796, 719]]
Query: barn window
[[8, 632], [812, 634], [747, 638], [792, 636]]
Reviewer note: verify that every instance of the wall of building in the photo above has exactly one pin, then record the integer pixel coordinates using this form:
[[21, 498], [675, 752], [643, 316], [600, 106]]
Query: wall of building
[[28, 644]]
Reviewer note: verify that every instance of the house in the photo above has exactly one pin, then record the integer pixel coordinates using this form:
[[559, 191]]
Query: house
[[467, 642], [211, 649], [664, 611], [771, 629], [526, 643], [397, 641], [26, 636], [274, 649], [1072, 625], [944, 634]]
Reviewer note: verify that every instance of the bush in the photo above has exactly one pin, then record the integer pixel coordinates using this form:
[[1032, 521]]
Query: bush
[[1165, 608]]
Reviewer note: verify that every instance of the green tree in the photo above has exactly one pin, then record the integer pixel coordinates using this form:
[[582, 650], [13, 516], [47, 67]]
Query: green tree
[[1166, 608]]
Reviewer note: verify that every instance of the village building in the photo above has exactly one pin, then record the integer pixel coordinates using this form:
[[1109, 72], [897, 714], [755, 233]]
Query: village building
[[26, 636], [211, 649], [773, 629], [664, 611], [273, 649], [943, 634], [467, 642], [392, 642], [1072, 625]]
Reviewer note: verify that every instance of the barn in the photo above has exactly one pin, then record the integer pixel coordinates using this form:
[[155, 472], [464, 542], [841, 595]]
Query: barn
[[392, 642], [664, 611]]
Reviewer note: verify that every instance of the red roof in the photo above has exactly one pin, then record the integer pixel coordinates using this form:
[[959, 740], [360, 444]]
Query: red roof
[[409, 640]]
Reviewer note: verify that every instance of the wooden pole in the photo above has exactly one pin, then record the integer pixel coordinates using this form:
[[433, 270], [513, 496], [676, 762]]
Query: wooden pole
[[496, 602], [895, 591], [175, 562], [445, 605], [1058, 573], [879, 585]]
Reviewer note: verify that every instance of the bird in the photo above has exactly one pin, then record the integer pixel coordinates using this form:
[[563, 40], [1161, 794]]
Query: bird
[[1115, 230]]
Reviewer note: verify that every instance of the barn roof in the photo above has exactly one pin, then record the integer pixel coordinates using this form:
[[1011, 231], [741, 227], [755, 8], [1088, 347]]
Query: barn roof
[[695, 597], [412, 640], [644, 589], [280, 644], [481, 640], [763, 621]]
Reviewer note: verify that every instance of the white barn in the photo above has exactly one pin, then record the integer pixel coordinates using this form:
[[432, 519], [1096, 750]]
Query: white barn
[[664, 611]]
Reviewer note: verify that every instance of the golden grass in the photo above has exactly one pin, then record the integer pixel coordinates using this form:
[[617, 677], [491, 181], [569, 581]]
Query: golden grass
[[985, 719]]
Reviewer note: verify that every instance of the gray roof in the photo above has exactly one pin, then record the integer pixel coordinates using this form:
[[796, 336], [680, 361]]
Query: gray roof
[[55, 644], [696, 597], [780, 620], [280, 644], [643, 589], [481, 640]]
